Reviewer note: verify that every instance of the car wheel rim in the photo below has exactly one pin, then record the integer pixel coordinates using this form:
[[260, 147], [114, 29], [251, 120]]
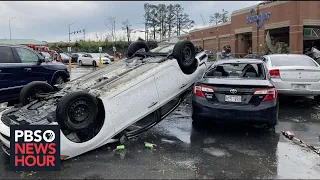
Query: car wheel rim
[[79, 111], [187, 54], [59, 80]]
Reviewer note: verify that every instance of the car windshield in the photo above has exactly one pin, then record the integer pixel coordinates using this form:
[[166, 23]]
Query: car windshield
[[64, 56], [292, 61], [96, 55], [237, 70]]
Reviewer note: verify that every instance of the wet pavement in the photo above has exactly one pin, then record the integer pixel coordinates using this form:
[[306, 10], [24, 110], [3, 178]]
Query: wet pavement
[[205, 151]]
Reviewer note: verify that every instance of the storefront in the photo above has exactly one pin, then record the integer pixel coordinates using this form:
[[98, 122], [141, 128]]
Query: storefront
[[296, 23]]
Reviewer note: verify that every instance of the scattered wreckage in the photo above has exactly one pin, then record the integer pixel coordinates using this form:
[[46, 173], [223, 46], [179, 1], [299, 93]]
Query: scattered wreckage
[[117, 102]]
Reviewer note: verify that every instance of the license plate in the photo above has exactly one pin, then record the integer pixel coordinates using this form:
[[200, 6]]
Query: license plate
[[232, 98], [299, 86]]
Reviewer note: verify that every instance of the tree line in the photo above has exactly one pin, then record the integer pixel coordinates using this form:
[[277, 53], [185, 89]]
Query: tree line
[[218, 18], [161, 21], [164, 21]]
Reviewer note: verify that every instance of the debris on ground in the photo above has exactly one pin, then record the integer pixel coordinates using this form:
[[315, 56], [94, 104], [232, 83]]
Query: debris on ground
[[290, 135], [120, 147], [149, 145]]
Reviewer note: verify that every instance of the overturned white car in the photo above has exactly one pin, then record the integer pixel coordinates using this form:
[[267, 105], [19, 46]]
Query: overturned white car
[[119, 101]]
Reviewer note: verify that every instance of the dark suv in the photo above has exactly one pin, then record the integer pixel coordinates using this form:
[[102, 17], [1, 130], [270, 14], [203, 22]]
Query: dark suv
[[20, 65]]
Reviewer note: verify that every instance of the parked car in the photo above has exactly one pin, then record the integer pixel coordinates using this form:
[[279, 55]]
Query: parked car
[[75, 56], [108, 56], [236, 91], [20, 65], [64, 58], [101, 107], [46, 55], [294, 74], [92, 59]]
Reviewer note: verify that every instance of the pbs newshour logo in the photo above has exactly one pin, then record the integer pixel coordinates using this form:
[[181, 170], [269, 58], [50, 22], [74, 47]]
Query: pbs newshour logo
[[35, 147]]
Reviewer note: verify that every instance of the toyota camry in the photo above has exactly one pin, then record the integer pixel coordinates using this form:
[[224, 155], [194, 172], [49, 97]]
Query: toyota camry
[[236, 91]]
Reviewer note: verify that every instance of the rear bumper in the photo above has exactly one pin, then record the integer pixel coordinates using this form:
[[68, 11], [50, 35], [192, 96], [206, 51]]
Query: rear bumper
[[266, 112], [285, 87]]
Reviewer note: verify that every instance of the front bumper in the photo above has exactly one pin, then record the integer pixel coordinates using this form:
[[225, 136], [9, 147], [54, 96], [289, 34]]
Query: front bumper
[[4, 132], [265, 113]]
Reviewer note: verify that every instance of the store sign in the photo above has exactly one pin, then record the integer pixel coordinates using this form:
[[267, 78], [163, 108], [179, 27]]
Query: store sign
[[258, 19]]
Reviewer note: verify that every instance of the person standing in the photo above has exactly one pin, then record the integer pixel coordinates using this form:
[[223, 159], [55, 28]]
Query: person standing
[[250, 52]]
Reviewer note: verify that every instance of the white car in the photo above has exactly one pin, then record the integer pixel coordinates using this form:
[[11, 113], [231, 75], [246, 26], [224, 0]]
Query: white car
[[119, 101], [92, 59], [294, 74]]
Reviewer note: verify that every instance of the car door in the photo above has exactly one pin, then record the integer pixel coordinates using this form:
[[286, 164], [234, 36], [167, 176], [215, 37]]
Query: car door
[[10, 74], [31, 68], [89, 59], [84, 59], [170, 81], [132, 104]]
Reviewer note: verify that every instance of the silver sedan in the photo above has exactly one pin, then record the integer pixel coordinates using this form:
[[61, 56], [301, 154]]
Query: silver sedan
[[294, 74]]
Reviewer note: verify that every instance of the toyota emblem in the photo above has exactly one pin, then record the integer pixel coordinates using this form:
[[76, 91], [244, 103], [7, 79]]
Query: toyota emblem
[[233, 91]]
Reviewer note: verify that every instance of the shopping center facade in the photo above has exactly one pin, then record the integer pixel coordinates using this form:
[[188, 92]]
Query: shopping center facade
[[296, 23]]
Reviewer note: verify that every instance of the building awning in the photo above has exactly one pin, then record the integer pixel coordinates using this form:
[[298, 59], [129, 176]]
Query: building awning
[[22, 41], [311, 34]]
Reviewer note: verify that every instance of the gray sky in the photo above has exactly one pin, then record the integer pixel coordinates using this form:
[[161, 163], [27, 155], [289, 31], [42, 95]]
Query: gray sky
[[48, 20]]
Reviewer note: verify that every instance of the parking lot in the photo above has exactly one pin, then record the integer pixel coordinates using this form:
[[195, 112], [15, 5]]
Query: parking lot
[[207, 151]]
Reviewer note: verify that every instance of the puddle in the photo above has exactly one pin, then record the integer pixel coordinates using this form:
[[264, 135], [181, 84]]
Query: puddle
[[217, 152]]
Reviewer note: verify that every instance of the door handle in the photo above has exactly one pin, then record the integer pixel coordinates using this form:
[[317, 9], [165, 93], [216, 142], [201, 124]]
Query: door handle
[[27, 69], [152, 104], [183, 85]]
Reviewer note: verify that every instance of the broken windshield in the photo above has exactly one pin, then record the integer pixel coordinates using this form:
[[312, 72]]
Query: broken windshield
[[237, 70]]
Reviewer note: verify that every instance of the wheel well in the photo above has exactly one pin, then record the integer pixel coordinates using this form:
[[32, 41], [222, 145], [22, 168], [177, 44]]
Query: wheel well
[[93, 129], [59, 73]]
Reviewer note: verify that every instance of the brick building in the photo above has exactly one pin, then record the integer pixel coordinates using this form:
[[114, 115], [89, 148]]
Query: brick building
[[296, 23]]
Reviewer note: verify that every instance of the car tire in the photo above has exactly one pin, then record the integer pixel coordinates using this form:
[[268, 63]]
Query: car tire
[[59, 80], [135, 46], [77, 110], [185, 52], [80, 63], [94, 64], [29, 91]]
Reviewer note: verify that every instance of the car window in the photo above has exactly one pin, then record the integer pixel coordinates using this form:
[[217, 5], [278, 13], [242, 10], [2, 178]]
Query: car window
[[26, 55], [238, 70], [292, 61], [6, 55], [64, 56]]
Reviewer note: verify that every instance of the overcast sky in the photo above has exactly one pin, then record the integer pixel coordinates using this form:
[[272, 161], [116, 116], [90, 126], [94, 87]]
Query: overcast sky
[[48, 20]]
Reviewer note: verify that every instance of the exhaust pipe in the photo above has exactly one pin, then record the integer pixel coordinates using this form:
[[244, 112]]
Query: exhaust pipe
[[265, 126]]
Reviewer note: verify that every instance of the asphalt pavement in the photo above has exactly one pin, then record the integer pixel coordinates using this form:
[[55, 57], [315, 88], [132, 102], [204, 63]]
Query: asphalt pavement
[[207, 151]]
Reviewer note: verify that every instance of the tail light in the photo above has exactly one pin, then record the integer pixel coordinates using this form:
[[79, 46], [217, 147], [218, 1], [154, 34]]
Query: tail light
[[270, 93], [106, 56], [198, 90], [274, 73]]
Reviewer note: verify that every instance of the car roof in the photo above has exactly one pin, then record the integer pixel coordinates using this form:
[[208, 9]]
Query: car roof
[[13, 45], [287, 55], [236, 60]]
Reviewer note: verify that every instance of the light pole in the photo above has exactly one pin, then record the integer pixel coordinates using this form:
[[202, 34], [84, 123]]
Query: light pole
[[69, 30], [10, 25]]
